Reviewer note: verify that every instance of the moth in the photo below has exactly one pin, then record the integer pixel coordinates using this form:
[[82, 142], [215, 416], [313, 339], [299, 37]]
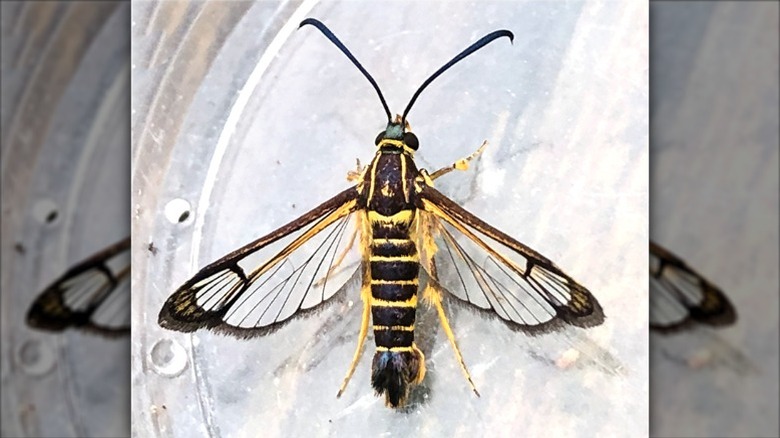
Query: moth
[[681, 298], [400, 226], [93, 296]]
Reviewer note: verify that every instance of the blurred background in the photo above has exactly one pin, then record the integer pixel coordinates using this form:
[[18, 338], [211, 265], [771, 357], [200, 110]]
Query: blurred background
[[65, 196], [714, 202], [241, 123]]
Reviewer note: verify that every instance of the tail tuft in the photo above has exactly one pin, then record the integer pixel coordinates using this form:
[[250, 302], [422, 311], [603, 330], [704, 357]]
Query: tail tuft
[[393, 373]]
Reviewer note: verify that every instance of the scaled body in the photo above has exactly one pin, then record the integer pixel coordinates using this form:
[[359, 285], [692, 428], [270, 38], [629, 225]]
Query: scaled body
[[393, 270]]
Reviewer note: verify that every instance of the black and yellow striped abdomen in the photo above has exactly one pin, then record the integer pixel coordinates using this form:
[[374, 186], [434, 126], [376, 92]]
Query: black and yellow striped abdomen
[[394, 268]]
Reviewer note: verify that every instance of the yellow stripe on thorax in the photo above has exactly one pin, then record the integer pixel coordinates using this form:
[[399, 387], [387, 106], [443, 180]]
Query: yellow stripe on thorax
[[403, 178], [403, 217], [397, 143], [372, 185]]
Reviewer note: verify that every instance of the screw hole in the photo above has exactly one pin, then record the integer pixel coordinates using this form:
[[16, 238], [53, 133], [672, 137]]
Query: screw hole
[[45, 211], [177, 211]]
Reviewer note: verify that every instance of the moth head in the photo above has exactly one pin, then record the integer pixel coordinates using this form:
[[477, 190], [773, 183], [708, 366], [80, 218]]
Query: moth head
[[397, 131]]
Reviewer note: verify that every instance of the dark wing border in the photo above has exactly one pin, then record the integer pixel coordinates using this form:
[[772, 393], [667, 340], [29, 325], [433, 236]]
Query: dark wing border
[[460, 219], [184, 297], [718, 312], [50, 313]]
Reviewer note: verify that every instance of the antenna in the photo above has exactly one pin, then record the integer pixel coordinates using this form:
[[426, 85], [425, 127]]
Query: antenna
[[485, 40], [318, 24]]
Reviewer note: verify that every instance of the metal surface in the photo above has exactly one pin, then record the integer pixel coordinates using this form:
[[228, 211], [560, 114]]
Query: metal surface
[[715, 203], [65, 161], [241, 123]]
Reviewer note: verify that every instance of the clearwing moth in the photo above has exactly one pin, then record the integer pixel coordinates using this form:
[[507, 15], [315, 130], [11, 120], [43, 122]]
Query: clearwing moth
[[400, 225]]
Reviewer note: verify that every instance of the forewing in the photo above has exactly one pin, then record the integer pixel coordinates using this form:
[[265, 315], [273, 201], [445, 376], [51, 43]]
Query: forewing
[[486, 268], [287, 273], [679, 296], [93, 295]]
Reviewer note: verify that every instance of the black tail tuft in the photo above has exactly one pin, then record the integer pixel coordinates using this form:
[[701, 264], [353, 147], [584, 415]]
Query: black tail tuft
[[394, 373]]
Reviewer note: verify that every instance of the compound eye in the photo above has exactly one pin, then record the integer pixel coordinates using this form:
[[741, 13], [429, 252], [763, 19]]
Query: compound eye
[[379, 138], [411, 140]]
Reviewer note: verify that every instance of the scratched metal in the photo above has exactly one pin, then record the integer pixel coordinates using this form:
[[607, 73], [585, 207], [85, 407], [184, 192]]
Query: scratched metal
[[246, 123]]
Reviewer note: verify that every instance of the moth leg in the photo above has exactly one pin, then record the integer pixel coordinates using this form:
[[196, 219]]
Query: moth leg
[[461, 164], [365, 295], [357, 174], [425, 230], [433, 295]]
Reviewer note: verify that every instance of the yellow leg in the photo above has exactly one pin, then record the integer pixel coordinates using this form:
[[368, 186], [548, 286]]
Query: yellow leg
[[356, 175], [424, 232], [461, 164], [432, 295], [422, 370], [365, 295]]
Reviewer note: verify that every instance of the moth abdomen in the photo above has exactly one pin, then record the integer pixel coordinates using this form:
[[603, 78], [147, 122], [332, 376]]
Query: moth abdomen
[[394, 270]]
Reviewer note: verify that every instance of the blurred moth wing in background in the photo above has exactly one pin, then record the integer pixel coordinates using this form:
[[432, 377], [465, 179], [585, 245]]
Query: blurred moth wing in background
[[92, 296], [680, 297], [65, 195], [683, 302]]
